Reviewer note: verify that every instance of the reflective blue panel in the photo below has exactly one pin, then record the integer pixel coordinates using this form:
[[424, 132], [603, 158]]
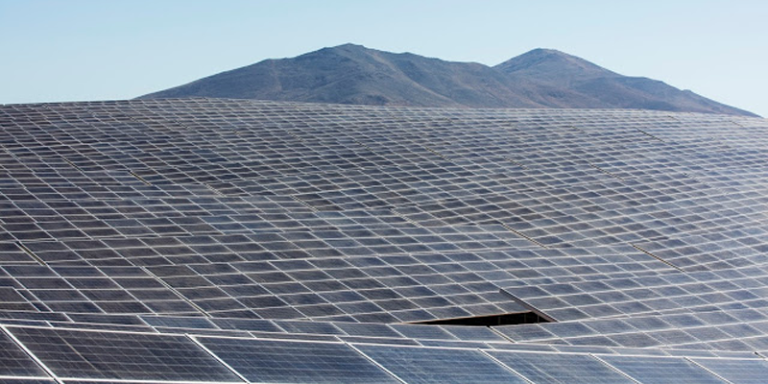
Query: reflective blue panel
[[738, 371], [272, 361], [561, 368], [662, 370], [14, 361], [128, 356], [432, 365]]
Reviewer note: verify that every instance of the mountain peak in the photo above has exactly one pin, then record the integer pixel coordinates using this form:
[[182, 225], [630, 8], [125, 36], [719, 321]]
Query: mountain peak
[[350, 46], [545, 52], [347, 47], [552, 64], [348, 50]]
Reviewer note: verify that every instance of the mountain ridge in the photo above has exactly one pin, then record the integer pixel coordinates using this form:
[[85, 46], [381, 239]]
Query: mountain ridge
[[354, 74]]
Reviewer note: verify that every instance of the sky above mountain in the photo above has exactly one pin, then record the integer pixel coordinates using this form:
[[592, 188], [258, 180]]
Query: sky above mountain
[[91, 50]]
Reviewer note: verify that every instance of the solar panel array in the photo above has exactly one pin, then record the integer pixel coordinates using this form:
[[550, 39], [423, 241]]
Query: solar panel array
[[206, 240]]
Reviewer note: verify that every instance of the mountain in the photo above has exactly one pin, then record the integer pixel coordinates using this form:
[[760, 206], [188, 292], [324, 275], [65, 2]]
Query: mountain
[[353, 74], [571, 73]]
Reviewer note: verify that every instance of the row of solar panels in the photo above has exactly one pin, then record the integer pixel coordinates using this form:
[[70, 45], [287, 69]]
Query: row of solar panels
[[41, 354], [545, 212], [707, 334], [626, 288]]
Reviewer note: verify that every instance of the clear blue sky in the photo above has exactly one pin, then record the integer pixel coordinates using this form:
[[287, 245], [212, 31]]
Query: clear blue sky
[[108, 49]]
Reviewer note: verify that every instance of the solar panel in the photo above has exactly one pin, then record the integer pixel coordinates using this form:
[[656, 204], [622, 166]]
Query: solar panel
[[736, 371], [427, 365], [272, 361], [119, 355], [14, 361], [653, 370], [560, 368], [474, 333]]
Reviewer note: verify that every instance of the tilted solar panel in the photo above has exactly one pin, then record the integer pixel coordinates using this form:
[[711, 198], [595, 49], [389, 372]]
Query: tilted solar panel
[[273, 361]]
